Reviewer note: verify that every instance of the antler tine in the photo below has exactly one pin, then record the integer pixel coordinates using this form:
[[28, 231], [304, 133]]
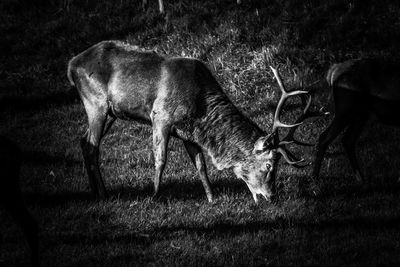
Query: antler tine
[[285, 95], [297, 79], [289, 138], [291, 159], [314, 83]]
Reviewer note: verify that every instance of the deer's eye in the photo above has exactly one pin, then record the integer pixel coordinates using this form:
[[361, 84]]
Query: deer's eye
[[268, 166]]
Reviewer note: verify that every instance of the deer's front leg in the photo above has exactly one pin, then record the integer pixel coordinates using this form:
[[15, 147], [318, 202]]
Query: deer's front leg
[[161, 133], [197, 158]]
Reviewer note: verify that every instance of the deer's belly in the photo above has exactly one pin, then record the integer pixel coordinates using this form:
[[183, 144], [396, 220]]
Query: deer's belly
[[130, 111]]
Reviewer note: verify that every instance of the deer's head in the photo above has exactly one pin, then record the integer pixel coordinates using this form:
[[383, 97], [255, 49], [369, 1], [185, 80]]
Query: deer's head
[[259, 169]]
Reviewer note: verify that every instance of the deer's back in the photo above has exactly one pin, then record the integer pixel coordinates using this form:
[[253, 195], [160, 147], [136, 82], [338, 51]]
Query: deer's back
[[136, 84], [376, 78]]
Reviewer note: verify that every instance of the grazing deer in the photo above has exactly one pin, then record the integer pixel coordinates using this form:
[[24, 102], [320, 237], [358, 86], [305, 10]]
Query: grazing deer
[[11, 198], [178, 97], [361, 88]]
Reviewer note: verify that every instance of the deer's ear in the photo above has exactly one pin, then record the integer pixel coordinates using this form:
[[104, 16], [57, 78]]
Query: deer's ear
[[262, 144]]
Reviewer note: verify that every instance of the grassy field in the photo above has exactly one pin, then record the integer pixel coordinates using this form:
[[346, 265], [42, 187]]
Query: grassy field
[[348, 224]]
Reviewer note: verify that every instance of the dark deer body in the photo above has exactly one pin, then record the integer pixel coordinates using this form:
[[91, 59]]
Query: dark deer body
[[11, 197], [176, 96], [361, 88]]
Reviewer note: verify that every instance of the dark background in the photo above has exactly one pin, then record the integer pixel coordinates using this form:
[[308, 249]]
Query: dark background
[[348, 224]]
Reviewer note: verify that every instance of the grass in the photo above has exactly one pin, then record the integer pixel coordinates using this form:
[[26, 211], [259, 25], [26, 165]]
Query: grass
[[349, 224]]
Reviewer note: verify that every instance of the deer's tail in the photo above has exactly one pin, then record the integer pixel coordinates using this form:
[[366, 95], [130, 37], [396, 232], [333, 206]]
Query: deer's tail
[[70, 75], [72, 92]]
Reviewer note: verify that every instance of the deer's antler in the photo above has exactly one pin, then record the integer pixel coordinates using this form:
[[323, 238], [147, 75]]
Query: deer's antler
[[289, 138], [284, 96]]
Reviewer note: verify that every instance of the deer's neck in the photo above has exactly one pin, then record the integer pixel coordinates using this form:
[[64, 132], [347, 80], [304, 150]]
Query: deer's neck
[[225, 133]]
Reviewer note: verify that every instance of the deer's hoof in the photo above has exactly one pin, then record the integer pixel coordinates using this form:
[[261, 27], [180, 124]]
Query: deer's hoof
[[210, 197]]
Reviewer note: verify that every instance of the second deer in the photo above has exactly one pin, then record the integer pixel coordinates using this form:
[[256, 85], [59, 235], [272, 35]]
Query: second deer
[[362, 88]]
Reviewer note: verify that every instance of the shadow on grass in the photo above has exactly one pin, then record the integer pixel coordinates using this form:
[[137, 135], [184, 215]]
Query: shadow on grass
[[36, 103], [42, 157], [144, 247], [358, 190], [120, 260], [227, 229], [193, 190], [178, 190], [175, 190], [223, 229], [57, 199]]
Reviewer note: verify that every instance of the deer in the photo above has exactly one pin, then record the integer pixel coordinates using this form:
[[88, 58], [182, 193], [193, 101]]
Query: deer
[[362, 88], [11, 197], [178, 97]]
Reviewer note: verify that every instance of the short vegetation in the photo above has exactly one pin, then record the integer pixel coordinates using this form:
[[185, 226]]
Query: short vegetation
[[347, 224]]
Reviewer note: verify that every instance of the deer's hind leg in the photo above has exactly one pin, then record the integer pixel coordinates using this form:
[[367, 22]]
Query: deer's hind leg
[[349, 143], [197, 157], [90, 142], [345, 114], [335, 128]]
